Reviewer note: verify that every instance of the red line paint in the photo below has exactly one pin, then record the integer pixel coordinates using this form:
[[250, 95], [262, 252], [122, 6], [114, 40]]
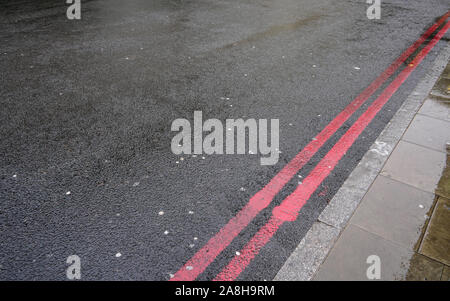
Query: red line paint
[[288, 210], [203, 258]]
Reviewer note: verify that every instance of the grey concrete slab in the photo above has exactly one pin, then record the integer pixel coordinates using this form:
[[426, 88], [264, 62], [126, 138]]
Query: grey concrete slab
[[309, 254], [347, 260], [415, 165], [446, 274], [430, 132], [394, 211], [437, 108]]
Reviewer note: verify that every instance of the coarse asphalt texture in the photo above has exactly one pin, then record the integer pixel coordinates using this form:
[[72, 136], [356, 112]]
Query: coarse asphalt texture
[[86, 166]]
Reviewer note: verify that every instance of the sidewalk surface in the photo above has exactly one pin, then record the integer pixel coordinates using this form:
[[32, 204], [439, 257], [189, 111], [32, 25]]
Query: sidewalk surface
[[404, 217]]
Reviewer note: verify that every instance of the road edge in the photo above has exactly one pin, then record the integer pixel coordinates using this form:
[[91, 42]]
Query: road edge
[[313, 249]]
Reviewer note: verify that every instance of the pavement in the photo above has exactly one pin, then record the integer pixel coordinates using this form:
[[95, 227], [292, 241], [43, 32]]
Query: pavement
[[86, 166], [403, 217]]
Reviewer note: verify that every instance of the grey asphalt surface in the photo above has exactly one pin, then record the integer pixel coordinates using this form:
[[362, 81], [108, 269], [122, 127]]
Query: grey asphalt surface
[[86, 107]]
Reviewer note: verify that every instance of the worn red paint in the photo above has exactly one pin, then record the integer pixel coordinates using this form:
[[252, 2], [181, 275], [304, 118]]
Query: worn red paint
[[264, 197], [291, 206]]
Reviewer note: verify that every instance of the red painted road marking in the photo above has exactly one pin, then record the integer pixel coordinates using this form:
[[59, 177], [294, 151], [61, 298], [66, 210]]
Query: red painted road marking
[[203, 258], [290, 207]]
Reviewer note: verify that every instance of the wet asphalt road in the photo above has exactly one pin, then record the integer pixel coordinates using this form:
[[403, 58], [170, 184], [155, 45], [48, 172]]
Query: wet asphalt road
[[86, 107]]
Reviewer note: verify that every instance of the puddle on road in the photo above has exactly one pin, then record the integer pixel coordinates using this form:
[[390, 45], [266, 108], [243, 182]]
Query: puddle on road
[[274, 30]]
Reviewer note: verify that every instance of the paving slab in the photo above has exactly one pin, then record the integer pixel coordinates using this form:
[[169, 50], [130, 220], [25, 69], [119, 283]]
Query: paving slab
[[437, 108], [347, 260], [446, 274], [394, 211], [415, 165], [436, 242], [422, 268], [429, 132], [443, 188]]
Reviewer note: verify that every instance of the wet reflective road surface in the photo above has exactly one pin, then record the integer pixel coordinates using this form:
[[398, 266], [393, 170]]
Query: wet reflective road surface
[[86, 166]]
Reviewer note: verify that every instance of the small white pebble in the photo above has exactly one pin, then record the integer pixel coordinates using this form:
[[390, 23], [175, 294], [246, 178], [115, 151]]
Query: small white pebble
[[189, 268], [195, 238], [194, 156], [14, 176], [191, 246], [177, 162], [245, 74], [117, 214], [191, 212], [166, 232], [181, 159], [171, 276], [135, 184], [161, 212], [242, 189], [203, 158], [238, 253], [357, 68], [68, 192], [421, 206], [118, 255]]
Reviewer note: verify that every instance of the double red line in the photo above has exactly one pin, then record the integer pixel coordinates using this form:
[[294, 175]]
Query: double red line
[[290, 207]]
